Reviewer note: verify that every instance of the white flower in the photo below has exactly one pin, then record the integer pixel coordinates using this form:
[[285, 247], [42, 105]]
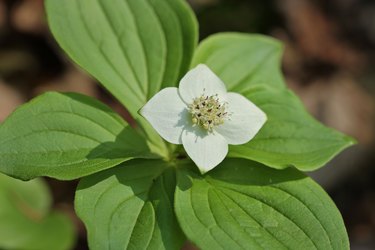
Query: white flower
[[202, 116]]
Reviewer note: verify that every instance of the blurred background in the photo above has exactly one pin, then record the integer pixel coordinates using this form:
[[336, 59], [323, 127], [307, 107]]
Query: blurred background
[[329, 61]]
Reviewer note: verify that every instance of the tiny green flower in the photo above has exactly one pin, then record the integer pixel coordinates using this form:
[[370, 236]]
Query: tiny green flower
[[204, 117], [208, 112]]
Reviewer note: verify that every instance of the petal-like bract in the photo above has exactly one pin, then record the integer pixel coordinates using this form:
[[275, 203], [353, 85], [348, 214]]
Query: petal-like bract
[[206, 149], [167, 113], [202, 116], [244, 121], [201, 81]]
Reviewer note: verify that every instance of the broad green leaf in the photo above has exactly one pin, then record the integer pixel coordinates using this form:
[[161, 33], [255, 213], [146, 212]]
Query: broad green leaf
[[65, 136], [25, 220], [156, 144], [290, 137], [133, 47], [242, 60], [130, 207], [245, 205]]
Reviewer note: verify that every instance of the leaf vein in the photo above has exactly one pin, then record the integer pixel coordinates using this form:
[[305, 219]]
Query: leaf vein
[[275, 209], [270, 233], [105, 55], [314, 215], [136, 26]]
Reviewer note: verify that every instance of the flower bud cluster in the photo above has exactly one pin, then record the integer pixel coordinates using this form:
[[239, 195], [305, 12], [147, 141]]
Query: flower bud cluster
[[208, 112]]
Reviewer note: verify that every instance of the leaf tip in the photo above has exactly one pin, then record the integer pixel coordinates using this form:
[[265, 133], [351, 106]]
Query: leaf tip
[[351, 141]]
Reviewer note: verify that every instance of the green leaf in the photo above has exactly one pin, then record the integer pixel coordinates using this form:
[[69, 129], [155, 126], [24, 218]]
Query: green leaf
[[290, 137], [245, 205], [130, 207], [25, 219], [156, 144], [242, 60], [132, 47], [65, 136]]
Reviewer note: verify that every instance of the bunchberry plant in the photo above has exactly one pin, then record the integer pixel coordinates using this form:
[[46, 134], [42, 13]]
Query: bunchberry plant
[[138, 190]]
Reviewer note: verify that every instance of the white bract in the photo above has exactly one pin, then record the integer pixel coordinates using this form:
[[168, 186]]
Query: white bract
[[204, 117]]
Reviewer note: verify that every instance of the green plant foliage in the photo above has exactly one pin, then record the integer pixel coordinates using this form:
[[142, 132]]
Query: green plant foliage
[[132, 47], [65, 136], [25, 220], [130, 207], [245, 205], [250, 65], [135, 48], [290, 137], [242, 60]]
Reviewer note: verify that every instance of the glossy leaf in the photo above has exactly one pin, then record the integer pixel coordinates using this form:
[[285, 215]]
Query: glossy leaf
[[130, 207], [132, 47], [65, 136], [245, 205], [25, 220], [290, 137], [242, 60]]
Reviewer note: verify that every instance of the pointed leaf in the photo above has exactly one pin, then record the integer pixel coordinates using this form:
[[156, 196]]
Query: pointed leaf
[[242, 60], [132, 47], [290, 137], [130, 207], [245, 205], [25, 219], [65, 136]]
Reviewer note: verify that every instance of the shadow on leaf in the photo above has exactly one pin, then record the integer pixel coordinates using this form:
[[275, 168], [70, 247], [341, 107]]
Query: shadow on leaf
[[128, 144], [240, 172]]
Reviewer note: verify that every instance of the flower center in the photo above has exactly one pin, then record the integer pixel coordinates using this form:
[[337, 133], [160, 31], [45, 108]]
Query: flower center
[[208, 112]]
